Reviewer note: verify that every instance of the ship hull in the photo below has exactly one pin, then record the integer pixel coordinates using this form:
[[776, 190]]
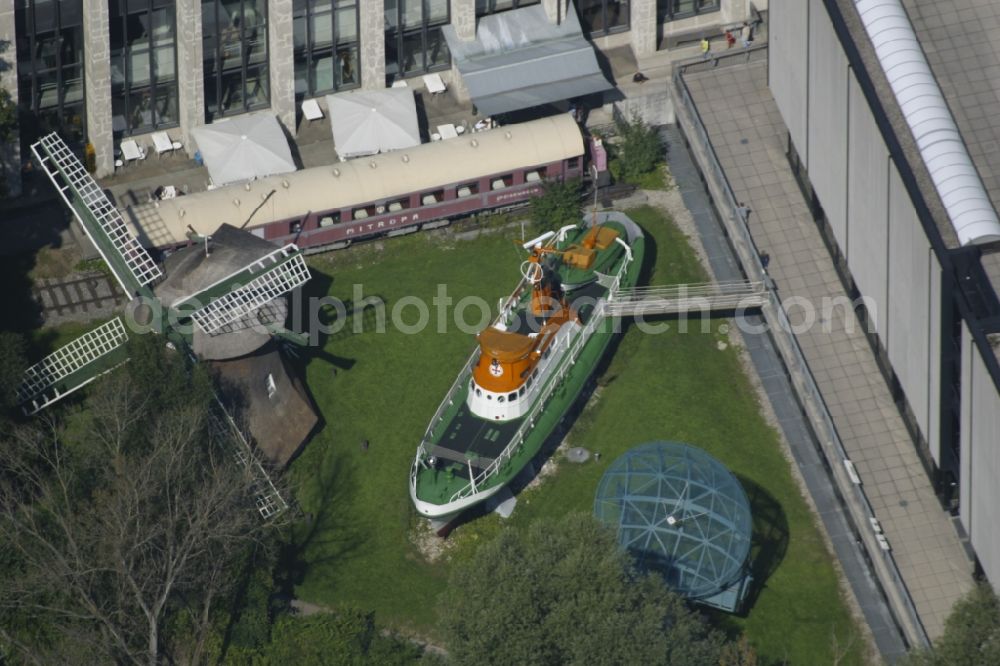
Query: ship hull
[[574, 368]]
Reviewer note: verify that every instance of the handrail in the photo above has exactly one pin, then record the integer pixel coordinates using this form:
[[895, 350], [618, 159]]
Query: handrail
[[803, 380], [566, 363]]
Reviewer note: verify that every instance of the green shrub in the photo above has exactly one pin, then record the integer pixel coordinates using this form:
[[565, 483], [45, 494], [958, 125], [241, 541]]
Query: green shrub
[[638, 149], [558, 205]]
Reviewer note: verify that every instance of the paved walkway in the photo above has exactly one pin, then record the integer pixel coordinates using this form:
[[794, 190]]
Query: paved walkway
[[748, 136]]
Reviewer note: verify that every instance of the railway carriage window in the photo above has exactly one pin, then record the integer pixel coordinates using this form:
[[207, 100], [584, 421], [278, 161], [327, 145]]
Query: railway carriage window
[[414, 43], [360, 213], [432, 198], [295, 227], [396, 206], [532, 177], [502, 182], [329, 220], [326, 45], [468, 190], [573, 163]]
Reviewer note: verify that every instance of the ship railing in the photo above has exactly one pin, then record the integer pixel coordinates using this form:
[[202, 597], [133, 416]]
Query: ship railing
[[574, 347], [456, 388]]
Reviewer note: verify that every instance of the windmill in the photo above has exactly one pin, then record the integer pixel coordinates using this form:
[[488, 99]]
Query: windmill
[[220, 300]]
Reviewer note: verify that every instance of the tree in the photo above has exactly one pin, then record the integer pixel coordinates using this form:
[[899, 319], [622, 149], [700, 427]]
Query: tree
[[122, 516], [12, 367], [557, 205], [971, 634], [561, 592], [639, 148]]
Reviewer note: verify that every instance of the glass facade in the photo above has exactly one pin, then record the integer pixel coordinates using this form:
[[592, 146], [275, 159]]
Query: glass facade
[[414, 43], [143, 65], [671, 10], [484, 7], [603, 17], [326, 46], [50, 68], [234, 34]]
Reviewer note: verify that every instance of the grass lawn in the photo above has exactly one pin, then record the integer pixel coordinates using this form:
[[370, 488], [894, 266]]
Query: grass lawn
[[675, 386]]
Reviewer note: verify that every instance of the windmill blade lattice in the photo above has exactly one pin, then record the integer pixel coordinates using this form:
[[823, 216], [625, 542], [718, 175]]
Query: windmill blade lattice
[[239, 294], [73, 366], [128, 261]]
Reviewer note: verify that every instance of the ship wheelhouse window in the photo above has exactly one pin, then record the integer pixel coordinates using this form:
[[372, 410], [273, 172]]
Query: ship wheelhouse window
[[512, 397], [479, 393], [489, 397], [500, 398], [522, 390]]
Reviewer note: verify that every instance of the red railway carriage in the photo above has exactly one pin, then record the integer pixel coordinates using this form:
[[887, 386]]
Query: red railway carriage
[[391, 193]]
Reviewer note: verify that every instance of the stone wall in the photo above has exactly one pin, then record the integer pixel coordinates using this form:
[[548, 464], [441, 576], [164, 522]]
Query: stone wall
[[372, 45], [191, 71], [281, 63], [97, 78]]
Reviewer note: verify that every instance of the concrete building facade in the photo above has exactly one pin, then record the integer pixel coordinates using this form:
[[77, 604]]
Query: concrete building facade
[[931, 303], [152, 65]]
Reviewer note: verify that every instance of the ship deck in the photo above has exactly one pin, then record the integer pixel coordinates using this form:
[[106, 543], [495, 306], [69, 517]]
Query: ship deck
[[473, 439]]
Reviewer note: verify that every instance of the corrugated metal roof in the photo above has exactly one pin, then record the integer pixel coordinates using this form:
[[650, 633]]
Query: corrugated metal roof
[[520, 59]]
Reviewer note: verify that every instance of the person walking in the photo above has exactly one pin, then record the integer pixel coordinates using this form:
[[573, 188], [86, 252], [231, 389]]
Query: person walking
[[730, 38], [706, 48]]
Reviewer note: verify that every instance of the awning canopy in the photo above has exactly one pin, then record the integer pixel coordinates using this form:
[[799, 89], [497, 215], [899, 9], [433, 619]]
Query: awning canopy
[[520, 59], [365, 122], [244, 148]]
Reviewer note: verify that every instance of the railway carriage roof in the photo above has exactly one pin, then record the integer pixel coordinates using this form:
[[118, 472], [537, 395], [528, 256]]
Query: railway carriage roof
[[377, 178]]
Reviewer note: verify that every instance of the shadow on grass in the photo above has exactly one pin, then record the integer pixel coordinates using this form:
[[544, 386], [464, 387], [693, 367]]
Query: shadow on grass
[[769, 541], [322, 536]]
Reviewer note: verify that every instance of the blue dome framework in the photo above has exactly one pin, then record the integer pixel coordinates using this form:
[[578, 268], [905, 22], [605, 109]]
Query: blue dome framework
[[680, 512]]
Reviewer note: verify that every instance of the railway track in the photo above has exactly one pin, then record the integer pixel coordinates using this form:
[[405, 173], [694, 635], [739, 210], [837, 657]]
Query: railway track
[[78, 297]]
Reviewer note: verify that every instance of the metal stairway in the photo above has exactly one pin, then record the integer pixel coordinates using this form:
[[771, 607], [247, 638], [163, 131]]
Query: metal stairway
[[688, 298]]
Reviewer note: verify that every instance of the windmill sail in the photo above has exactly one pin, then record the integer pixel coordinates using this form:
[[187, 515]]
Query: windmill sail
[[242, 292], [73, 366], [128, 261]]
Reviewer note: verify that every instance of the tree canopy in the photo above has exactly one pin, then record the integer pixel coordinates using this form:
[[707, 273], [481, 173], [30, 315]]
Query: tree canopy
[[971, 634], [561, 592], [558, 205], [120, 518], [639, 148]]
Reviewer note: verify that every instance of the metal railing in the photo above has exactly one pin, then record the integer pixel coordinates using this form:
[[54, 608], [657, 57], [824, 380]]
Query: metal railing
[[566, 363], [684, 298], [856, 500]]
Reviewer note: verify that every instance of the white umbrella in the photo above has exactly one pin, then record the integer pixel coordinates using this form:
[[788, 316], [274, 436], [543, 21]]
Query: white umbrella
[[365, 122], [244, 148]]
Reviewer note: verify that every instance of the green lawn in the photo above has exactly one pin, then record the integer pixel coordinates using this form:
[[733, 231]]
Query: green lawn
[[356, 549]]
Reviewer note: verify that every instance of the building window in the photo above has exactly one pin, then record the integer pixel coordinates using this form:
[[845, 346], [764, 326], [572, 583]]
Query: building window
[[235, 52], [326, 46], [485, 7], [413, 40], [143, 65], [671, 10], [50, 68], [603, 17]]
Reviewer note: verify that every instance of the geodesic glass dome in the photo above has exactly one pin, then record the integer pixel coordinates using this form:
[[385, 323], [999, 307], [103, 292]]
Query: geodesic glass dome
[[680, 512]]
